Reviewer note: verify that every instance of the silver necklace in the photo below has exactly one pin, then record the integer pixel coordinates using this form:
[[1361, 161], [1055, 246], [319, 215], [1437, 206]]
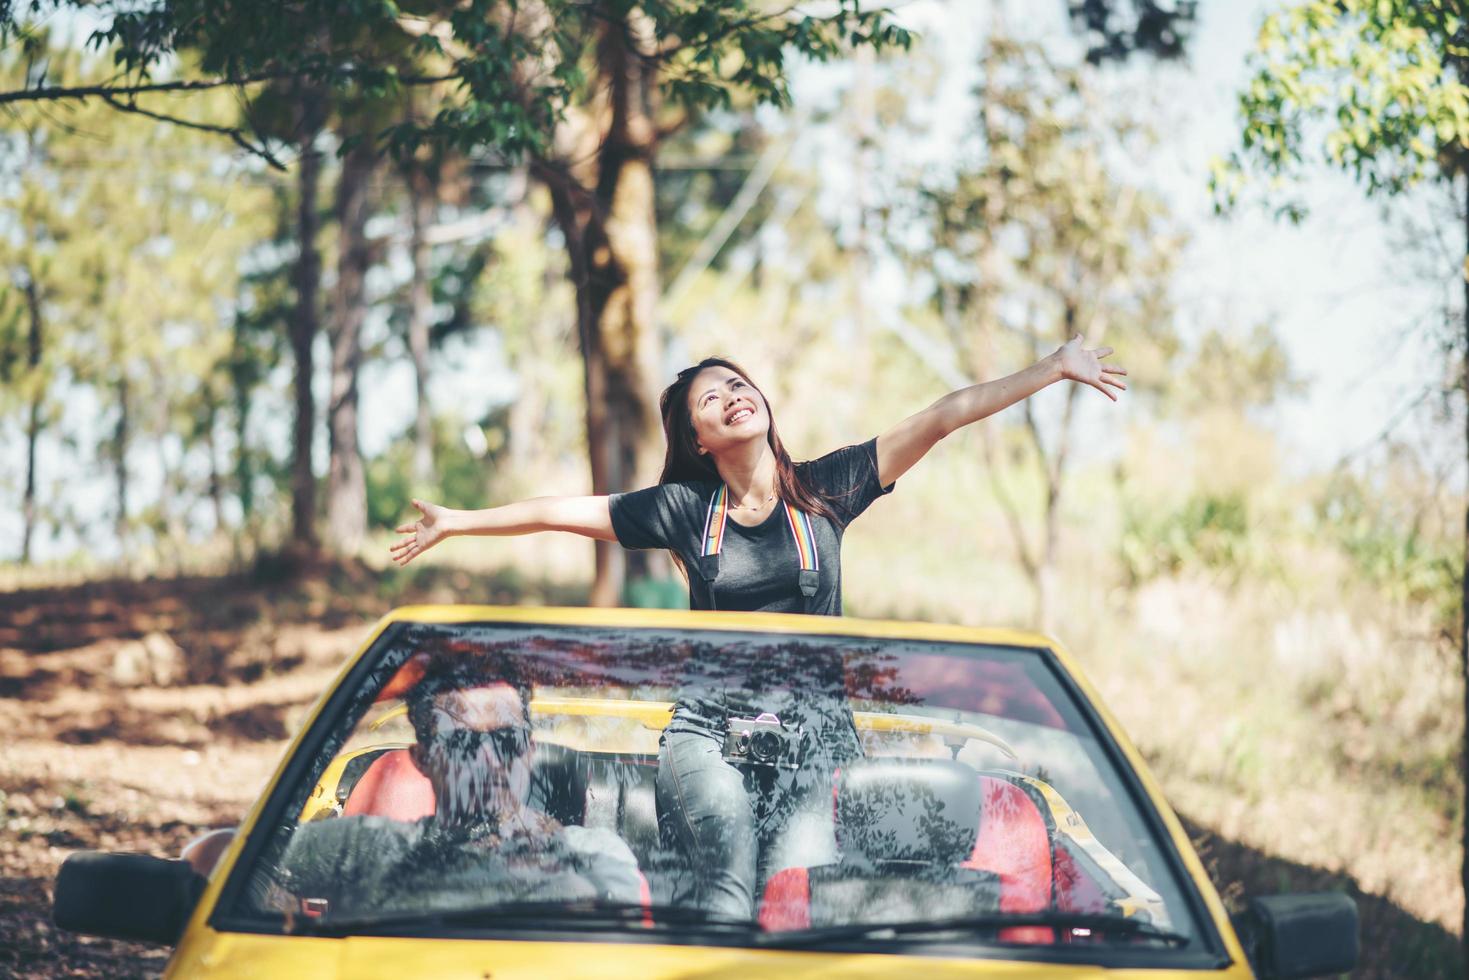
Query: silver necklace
[[755, 506]]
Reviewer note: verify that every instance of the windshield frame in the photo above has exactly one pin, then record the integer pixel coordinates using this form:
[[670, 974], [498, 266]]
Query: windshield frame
[[328, 723]]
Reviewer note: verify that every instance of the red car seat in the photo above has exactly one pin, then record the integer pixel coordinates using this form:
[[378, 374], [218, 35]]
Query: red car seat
[[1014, 842], [1011, 845], [904, 828], [391, 787]]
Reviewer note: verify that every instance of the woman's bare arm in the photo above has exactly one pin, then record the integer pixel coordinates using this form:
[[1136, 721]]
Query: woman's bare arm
[[911, 439], [587, 516]]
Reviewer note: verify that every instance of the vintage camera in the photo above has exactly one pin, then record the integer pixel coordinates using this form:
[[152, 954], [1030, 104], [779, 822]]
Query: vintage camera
[[760, 741]]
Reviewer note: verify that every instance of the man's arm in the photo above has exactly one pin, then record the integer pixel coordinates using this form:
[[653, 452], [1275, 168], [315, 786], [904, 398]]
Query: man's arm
[[605, 860], [342, 856]]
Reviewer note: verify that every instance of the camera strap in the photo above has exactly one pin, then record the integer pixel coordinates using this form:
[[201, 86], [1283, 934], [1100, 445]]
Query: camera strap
[[802, 534]]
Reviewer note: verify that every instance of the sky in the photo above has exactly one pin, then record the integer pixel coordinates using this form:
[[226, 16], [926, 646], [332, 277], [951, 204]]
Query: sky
[[1337, 288]]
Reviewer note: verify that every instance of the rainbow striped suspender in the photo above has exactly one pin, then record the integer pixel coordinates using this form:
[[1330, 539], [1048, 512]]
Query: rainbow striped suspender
[[801, 532]]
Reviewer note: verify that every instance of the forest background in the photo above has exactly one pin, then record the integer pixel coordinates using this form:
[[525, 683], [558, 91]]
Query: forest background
[[255, 297]]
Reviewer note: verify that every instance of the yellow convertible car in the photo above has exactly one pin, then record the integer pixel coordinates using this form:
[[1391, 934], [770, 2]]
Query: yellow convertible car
[[545, 793]]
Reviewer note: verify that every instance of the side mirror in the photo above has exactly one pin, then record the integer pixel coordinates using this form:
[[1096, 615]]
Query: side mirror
[[126, 896], [1304, 935]]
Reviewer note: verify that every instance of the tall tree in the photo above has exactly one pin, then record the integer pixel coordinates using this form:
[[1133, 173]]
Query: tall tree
[[32, 346], [27, 362], [1380, 90], [133, 314], [421, 181], [36, 381], [346, 485], [260, 338], [305, 321], [579, 86], [648, 68], [604, 205], [1035, 240]]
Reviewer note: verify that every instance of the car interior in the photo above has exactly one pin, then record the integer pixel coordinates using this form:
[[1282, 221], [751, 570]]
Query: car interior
[[996, 844]]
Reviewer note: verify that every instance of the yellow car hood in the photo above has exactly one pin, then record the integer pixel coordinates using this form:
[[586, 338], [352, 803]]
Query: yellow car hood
[[228, 955]]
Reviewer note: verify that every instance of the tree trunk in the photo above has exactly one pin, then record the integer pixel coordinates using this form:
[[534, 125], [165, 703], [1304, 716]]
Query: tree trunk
[[120, 462], [545, 341], [216, 478], [421, 216], [304, 324], [1036, 561], [864, 125], [346, 505], [987, 290], [572, 216], [33, 419], [241, 384], [1044, 578], [1054, 467], [624, 275], [1464, 599], [611, 241]]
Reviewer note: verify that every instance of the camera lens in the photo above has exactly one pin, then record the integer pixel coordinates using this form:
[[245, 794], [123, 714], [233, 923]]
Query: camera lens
[[765, 746]]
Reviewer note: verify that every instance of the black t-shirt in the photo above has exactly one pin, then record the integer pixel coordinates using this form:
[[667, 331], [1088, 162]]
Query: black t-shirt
[[758, 566]]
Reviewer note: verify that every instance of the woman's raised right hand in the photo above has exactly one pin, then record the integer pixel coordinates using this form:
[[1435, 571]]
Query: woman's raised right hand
[[422, 534]]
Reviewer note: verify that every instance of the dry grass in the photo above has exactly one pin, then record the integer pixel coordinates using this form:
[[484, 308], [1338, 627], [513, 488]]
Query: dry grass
[[1308, 726]]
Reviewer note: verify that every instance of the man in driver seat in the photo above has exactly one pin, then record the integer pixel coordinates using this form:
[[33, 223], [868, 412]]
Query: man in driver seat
[[484, 844]]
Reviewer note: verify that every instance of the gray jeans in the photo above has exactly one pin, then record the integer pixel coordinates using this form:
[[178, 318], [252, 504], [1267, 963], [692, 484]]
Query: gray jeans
[[737, 826]]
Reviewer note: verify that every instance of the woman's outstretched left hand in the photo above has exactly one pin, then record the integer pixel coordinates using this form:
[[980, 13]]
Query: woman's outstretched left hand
[[1085, 365]]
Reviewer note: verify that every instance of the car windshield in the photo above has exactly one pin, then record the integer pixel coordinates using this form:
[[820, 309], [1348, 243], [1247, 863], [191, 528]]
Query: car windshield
[[749, 784]]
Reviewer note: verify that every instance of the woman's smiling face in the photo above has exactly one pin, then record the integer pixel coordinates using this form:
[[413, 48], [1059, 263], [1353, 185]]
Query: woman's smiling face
[[726, 409]]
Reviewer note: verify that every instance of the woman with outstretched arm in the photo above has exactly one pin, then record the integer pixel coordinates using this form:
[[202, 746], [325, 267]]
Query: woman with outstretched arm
[[755, 532], [722, 441]]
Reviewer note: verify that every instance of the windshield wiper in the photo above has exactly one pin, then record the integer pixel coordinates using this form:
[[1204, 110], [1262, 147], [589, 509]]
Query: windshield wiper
[[543, 914], [1098, 924]]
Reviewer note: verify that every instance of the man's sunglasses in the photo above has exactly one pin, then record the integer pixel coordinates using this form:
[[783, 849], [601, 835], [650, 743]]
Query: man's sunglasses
[[508, 742]]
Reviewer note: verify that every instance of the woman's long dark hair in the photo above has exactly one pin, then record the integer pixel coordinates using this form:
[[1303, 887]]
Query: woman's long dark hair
[[683, 461]]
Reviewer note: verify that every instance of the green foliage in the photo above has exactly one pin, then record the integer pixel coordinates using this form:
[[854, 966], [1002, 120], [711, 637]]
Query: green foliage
[[719, 49], [1209, 532], [464, 477], [390, 486], [1160, 29], [1379, 84], [1036, 213], [1392, 541], [657, 593], [258, 348], [691, 200], [1233, 370], [503, 74], [135, 274], [1035, 239]]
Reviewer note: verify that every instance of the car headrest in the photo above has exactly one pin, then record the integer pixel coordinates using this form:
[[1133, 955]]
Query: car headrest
[[914, 811], [404, 678]]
